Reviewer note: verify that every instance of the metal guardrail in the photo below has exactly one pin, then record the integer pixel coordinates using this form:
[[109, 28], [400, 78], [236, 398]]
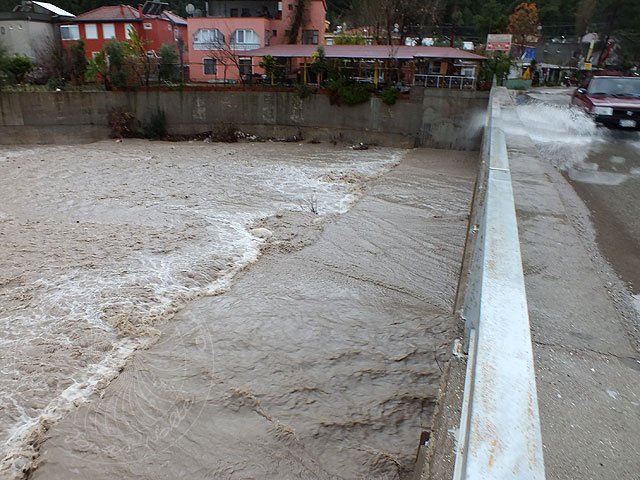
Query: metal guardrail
[[499, 435], [445, 81]]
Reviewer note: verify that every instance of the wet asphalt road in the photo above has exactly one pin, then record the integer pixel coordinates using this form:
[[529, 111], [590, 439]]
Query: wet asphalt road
[[604, 169]]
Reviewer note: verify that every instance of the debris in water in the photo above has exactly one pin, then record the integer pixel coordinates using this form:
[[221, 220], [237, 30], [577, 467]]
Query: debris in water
[[360, 146]]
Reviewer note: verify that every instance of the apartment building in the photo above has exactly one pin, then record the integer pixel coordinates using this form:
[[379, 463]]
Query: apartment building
[[230, 28]]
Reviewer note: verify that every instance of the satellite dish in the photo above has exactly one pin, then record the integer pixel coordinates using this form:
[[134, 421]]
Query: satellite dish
[[190, 8]]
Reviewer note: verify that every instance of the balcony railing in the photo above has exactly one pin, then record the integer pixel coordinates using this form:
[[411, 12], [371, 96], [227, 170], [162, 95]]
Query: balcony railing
[[245, 46], [445, 81]]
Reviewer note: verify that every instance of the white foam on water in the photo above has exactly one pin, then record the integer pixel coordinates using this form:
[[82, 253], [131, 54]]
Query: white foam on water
[[118, 241], [296, 184], [83, 386], [96, 376]]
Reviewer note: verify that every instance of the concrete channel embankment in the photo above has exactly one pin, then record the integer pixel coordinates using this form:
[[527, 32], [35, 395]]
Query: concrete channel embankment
[[427, 118]]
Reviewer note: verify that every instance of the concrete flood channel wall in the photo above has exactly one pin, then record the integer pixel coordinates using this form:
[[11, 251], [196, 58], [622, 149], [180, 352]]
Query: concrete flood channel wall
[[449, 119], [498, 426]]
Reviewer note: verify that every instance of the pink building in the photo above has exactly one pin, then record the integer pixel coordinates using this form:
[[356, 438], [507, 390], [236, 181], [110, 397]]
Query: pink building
[[231, 27]]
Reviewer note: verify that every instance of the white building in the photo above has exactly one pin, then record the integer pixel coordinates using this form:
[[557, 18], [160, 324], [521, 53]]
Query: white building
[[25, 29]]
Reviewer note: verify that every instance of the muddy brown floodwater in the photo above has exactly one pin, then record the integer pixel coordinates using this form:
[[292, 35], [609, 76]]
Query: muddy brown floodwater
[[178, 310]]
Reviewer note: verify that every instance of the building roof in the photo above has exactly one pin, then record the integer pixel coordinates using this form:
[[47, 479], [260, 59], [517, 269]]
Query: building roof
[[124, 13], [365, 52], [177, 19], [110, 12], [53, 9], [37, 11]]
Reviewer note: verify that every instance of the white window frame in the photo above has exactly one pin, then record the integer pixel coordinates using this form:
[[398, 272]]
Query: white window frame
[[91, 31], [127, 30], [204, 66], [147, 25], [73, 32], [105, 31], [246, 39], [208, 39]]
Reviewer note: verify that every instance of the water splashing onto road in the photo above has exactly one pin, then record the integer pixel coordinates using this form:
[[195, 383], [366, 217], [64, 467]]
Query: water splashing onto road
[[604, 168], [571, 140], [562, 134]]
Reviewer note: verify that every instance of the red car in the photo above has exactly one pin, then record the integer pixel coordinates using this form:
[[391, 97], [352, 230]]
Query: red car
[[612, 101]]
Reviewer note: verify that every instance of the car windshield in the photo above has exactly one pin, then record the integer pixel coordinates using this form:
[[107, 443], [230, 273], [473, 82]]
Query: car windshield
[[615, 86]]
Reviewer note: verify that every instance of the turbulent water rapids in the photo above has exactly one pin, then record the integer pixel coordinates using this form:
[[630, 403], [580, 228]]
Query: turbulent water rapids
[[141, 339]]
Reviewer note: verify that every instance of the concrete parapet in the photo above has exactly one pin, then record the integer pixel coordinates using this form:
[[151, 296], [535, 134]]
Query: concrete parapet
[[496, 420], [499, 433]]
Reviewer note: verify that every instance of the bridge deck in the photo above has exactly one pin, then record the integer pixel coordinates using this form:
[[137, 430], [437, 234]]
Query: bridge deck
[[587, 362], [585, 341]]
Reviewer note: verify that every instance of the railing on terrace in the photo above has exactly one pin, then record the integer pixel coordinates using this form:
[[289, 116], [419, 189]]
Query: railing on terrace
[[245, 46], [445, 81]]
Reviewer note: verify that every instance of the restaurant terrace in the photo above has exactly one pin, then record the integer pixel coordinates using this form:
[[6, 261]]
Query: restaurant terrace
[[438, 67]]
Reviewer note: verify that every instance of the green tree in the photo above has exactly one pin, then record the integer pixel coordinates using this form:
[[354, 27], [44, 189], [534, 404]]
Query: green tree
[[4, 56], [17, 68], [98, 70], [491, 19], [584, 15], [77, 61], [115, 54], [392, 21], [168, 62], [620, 28], [344, 39], [339, 10], [269, 63], [297, 22], [137, 47], [498, 67]]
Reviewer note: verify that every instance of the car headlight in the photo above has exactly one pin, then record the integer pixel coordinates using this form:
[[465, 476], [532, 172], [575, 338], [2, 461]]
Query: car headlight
[[605, 111]]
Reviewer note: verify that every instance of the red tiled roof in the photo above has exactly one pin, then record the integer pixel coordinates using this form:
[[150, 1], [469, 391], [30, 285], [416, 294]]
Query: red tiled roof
[[177, 19], [365, 51], [110, 12], [125, 12]]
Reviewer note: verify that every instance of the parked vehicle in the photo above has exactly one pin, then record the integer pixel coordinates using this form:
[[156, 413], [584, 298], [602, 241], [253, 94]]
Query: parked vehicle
[[612, 101]]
